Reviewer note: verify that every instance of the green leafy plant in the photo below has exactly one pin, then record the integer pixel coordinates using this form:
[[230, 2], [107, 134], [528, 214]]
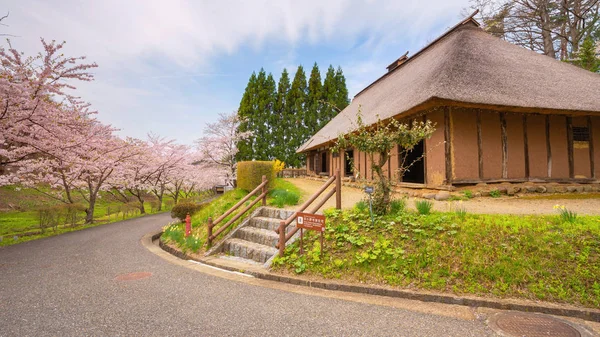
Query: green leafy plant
[[378, 140], [468, 194], [182, 209], [362, 206], [423, 206], [397, 206], [565, 214], [495, 194]]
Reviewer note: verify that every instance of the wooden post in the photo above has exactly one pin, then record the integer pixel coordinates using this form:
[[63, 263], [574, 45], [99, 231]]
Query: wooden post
[[447, 146], [479, 144], [591, 147], [526, 146], [570, 147], [209, 228], [338, 190], [281, 237], [548, 147], [264, 191], [504, 145]]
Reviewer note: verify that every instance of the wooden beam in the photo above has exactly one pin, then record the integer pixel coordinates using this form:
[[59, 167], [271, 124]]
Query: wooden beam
[[479, 144], [526, 146], [570, 147], [548, 147], [591, 147], [424, 154], [447, 145], [504, 145]]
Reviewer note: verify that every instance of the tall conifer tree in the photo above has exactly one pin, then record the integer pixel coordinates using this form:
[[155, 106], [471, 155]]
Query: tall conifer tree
[[329, 97], [314, 101], [341, 98], [246, 112], [295, 116], [265, 99], [278, 120]]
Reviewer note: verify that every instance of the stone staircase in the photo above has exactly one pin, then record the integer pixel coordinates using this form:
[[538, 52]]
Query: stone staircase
[[255, 240]]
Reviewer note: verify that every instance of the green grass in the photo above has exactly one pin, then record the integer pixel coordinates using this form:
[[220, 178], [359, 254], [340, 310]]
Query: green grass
[[531, 257], [19, 213], [282, 193]]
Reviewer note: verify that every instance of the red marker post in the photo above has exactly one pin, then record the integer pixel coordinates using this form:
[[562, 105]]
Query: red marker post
[[188, 225]]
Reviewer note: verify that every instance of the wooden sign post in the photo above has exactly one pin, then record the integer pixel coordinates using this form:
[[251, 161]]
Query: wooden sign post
[[313, 222]]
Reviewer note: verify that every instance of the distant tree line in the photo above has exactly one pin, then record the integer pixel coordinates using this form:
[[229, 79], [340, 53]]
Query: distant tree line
[[567, 30], [281, 117]]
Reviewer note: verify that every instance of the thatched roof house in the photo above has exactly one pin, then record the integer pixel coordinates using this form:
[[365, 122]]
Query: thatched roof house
[[503, 113]]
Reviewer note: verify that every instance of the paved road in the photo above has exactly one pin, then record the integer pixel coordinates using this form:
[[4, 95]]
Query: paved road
[[65, 285]]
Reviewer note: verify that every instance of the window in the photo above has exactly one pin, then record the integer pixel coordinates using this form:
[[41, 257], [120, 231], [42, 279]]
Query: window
[[581, 134]]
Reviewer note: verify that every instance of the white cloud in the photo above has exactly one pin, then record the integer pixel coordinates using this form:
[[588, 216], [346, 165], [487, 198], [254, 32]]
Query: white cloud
[[154, 41]]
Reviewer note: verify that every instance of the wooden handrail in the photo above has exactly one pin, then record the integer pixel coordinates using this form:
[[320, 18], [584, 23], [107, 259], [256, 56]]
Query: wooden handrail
[[263, 196], [308, 202], [283, 238]]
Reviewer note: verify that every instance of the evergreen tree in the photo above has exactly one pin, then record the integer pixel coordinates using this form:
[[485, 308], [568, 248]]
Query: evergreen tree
[[246, 112], [341, 97], [294, 116], [265, 100], [328, 97], [278, 121], [313, 101], [587, 55]]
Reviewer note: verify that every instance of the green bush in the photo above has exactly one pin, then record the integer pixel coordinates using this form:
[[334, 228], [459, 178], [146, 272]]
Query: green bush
[[283, 197], [74, 213], [362, 206], [495, 194], [423, 206], [249, 174], [397, 206], [182, 209]]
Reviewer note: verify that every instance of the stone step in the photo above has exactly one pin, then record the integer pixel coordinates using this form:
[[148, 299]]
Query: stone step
[[269, 223], [262, 236], [248, 250], [275, 213]]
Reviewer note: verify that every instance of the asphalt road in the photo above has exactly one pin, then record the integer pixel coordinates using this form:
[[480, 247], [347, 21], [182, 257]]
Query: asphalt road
[[65, 285]]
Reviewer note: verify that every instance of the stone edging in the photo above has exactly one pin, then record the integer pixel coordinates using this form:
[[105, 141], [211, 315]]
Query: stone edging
[[472, 301]]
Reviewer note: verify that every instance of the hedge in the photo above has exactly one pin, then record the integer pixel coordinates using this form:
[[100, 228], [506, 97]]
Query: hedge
[[249, 174], [182, 209]]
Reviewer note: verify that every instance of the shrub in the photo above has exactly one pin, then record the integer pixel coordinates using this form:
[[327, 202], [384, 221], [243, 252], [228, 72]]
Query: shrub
[[423, 206], [283, 197], [495, 194], [468, 194], [74, 213], [397, 206], [49, 217], [182, 209], [249, 174], [362, 206]]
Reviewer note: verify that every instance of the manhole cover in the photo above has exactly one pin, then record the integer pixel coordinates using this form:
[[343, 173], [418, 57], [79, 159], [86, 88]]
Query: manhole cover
[[520, 324], [133, 276]]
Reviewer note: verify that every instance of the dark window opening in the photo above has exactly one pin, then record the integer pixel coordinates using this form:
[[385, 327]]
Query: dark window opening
[[414, 159], [581, 134], [324, 162], [348, 160]]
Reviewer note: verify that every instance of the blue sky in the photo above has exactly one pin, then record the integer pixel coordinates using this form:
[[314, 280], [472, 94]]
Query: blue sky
[[169, 67]]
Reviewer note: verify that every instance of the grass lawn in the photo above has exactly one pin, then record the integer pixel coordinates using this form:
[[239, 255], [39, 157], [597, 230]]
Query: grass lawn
[[19, 213], [282, 193], [532, 257]]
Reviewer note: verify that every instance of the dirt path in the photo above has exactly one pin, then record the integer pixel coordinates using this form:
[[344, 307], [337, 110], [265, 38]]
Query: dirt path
[[485, 205]]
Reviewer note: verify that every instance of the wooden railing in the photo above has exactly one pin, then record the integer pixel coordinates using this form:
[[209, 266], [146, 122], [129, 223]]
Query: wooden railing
[[337, 190], [293, 173], [263, 196]]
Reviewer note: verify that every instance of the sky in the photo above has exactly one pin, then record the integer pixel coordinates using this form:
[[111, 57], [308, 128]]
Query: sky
[[169, 67]]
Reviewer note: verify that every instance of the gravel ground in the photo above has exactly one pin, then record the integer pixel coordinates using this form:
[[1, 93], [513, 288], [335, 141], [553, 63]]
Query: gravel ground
[[484, 205], [66, 285]]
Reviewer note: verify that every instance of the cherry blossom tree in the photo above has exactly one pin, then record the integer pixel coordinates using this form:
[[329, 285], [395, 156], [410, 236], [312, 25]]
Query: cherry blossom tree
[[37, 112], [218, 146]]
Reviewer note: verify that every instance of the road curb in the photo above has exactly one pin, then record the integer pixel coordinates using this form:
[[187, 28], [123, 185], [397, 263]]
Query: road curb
[[471, 301]]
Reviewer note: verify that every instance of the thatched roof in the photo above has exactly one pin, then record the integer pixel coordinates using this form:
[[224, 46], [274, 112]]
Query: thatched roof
[[468, 65]]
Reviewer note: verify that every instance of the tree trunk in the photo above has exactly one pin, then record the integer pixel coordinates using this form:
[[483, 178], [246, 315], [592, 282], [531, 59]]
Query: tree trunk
[[89, 212], [160, 198]]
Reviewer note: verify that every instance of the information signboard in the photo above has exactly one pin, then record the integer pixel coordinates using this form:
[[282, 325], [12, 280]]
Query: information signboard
[[311, 221]]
